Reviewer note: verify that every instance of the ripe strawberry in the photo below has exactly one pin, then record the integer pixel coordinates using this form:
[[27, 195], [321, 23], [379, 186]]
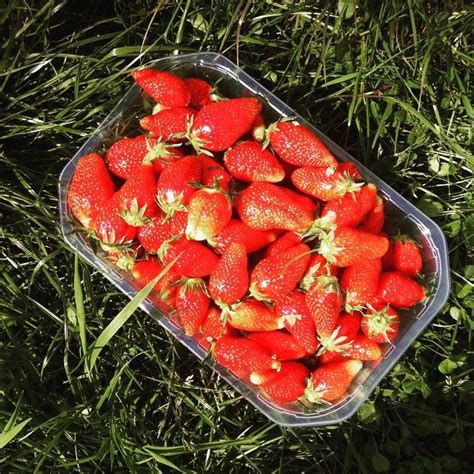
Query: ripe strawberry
[[317, 266], [350, 169], [213, 173], [162, 154], [360, 282], [284, 242], [229, 281], [380, 324], [248, 162], [218, 125], [209, 211], [347, 246], [265, 206], [405, 257], [399, 290], [374, 220], [243, 356], [136, 198], [111, 228], [168, 124], [324, 183], [237, 231], [302, 200], [258, 129], [192, 304], [297, 145], [276, 276], [346, 330], [287, 386], [324, 302], [213, 328], [153, 234], [281, 344], [90, 190], [200, 91], [362, 348], [330, 382], [163, 87], [174, 188], [294, 313], [253, 315]]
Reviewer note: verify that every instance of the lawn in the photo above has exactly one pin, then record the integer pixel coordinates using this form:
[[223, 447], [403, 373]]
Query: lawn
[[390, 81]]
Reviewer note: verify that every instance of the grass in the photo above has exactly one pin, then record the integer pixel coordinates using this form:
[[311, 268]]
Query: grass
[[389, 81]]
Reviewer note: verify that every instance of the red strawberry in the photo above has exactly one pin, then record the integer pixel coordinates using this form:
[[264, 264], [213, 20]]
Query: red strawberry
[[380, 324], [124, 257], [218, 125], [163, 87], [162, 154], [294, 313], [90, 190], [247, 161], [168, 124], [374, 220], [174, 188], [284, 242], [283, 345], [276, 276], [360, 282], [346, 330], [399, 290], [347, 246], [362, 348], [111, 228], [136, 198], [229, 281], [258, 129], [350, 169], [192, 304], [200, 91], [330, 382], [317, 266], [287, 386], [209, 211], [213, 328], [324, 183], [237, 231], [265, 206], [243, 356], [213, 173], [253, 315], [405, 257], [302, 200], [297, 145]]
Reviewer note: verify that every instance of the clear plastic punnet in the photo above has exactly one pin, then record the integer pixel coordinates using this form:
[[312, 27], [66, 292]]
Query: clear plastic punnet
[[400, 214]]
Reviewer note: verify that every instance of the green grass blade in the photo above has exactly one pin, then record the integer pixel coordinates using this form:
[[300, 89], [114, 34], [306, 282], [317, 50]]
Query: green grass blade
[[80, 311], [7, 436]]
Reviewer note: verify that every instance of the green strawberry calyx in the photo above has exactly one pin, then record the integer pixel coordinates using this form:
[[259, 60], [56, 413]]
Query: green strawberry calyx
[[134, 215], [379, 322]]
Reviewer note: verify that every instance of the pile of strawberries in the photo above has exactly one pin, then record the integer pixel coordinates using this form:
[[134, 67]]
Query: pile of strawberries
[[274, 251]]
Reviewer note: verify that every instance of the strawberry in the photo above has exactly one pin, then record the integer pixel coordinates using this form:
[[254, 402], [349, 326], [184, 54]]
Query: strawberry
[[199, 90], [276, 276], [405, 257], [243, 356], [399, 290], [350, 169], [330, 382], [209, 211], [287, 386], [346, 330], [374, 220], [297, 145], [213, 173], [90, 190], [213, 328], [347, 246], [163, 87], [192, 304], [229, 281], [124, 257], [302, 200], [258, 129], [294, 313], [281, 344], [218, 125], [153, 234], [136, 198], [174, 188], [237, 231], [253, 315], [380, 323], [362, 348], [265, 206], [168, 124], [317, 266], [360, 282], [324, 302], [248, 162], [284, 242], [324, 183]]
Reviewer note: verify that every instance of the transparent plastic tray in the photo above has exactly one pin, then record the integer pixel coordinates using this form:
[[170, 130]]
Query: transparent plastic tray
[[233, 82]]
